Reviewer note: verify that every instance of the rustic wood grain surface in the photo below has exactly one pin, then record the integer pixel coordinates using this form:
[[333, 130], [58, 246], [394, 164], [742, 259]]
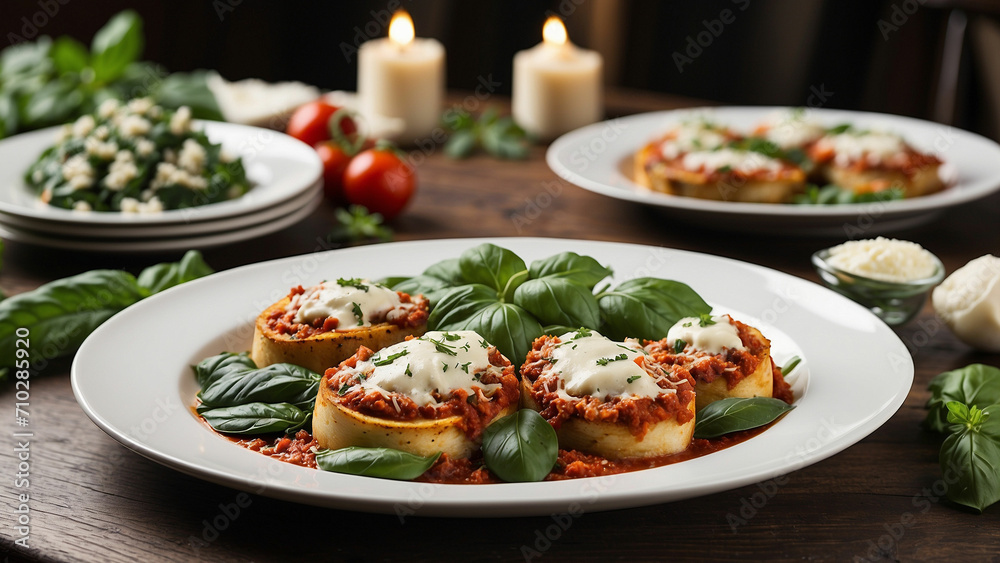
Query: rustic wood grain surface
[[94, 500]]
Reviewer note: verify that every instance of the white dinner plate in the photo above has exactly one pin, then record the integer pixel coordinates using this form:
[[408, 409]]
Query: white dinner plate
[[280, 167], [598, 158], [52, 229], [165, 244], [133, 378]]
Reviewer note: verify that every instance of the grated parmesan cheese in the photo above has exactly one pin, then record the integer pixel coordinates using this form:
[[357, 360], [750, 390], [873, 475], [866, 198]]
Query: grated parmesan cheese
[[883, 259]]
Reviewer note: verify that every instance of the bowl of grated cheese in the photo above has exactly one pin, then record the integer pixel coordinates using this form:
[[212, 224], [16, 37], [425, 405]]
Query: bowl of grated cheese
[[888, 276]]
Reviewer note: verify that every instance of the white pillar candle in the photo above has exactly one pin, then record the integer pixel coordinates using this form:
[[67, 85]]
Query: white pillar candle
[[557, 85], [402, 77]]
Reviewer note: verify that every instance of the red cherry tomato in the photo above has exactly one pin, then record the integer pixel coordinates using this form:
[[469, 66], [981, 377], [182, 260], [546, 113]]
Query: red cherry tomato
[[310, 123], [335, 161], [381, 181]]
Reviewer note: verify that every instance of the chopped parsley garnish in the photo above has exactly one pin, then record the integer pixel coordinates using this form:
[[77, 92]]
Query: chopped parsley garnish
[[344, 389], [842, 128], [725, 169], [390, 359], [472, 399], [465, 367], [441, 346], [687, 324], [705, 319], [633, 378], [465, 347], [408, 372], [353, 282], [357, 313], [606, 361], [451, 337], [679, 346], [484, 344], [476, 377], [582, 333], [444, 366]]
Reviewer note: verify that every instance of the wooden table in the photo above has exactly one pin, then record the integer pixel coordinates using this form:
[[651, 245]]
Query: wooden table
[[92, 499]]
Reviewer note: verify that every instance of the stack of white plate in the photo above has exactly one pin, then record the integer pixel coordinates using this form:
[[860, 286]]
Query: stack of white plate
[[287, 186]]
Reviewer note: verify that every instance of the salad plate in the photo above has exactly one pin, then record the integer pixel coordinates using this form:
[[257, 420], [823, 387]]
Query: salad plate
[[281, 168], [139, 361], [599, 157]]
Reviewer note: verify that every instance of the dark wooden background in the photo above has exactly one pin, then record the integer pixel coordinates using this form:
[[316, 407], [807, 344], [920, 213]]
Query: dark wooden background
[[94, 500]]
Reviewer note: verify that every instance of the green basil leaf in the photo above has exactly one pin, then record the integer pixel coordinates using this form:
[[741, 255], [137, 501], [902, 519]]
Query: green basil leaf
[[647, 307], [430, 287], [169, 274], [734, 414], [385, 463], [583, 270], [276, 383], [61, 314], [973, 455], [557, 330], [189, 89], [392, 281], [116, 45], [257, 418], [976, 384], [492, 266], [508, 327], [460, 144], [449, 270], [458, 305], [789, 367], [69, 55], [212, 369], [521, 446], [559, 301]]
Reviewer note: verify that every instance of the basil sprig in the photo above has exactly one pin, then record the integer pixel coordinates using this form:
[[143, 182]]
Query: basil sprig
[[62, 313], [521, 446], [237, 397], [735, 414], [965, 404], [491, 290], [385, 463]]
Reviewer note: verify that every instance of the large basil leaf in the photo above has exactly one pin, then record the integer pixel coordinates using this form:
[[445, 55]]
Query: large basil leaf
[[61, 314], [69, 55], [734, 414], [508, 327], [559, 301], [457, 306], [430, 287], [257, 418], [449, 270], [974, 454], [276, 383], [976, 384], [164, 276], [212, 369], [648, 307], [583, 270], [116, 45], [520, 447], [494, 267], [385, 463], [189, 89]]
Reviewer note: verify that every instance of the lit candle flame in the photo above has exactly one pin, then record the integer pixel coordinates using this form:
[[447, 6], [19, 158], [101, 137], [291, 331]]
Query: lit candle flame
[[554, 32], [401, 28]]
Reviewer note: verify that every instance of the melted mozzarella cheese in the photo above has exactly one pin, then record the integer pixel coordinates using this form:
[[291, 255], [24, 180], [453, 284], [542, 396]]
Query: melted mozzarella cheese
[[711, 338], [344, 302], [874, 146], [441, 362], [792, 130], [692, 136], [592, 365], [743, 161]]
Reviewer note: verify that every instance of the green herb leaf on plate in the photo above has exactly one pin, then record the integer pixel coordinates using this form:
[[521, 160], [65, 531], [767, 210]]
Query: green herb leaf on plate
[[583, 270], [116, 45], [211, 369], [646, 308], [257, 418], [735, 414], [520, 447], [559, 301], [276, 383], [385, 463], [169, 274], [494, 267]]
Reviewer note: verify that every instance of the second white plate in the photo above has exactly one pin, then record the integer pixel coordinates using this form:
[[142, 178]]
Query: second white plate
[[598, 158]]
